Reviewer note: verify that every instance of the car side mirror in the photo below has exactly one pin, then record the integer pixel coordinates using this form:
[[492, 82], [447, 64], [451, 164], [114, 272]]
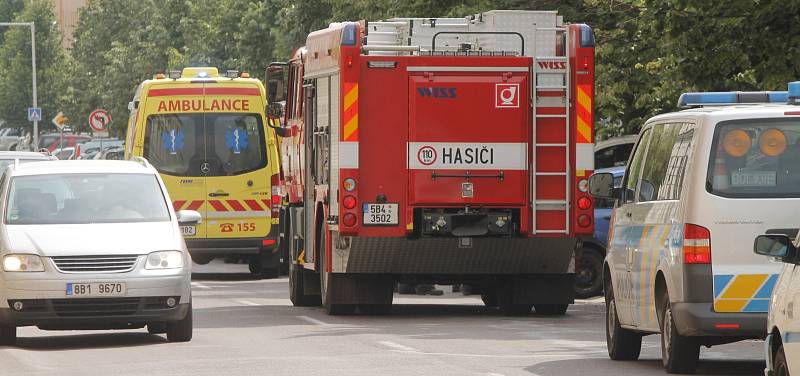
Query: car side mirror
[[277, 76], [188, 217], [601, 185], [775, 245]]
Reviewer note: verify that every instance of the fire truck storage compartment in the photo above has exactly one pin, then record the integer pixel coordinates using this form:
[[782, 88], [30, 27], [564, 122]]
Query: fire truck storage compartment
[[469, 133]]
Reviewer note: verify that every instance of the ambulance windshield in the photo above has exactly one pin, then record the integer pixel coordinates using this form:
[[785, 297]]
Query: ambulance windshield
[[205, 144], [756, 158]]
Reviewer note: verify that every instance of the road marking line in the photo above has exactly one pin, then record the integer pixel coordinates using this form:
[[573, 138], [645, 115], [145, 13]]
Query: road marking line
[[200, 286], [312, 320], [494, 374], [247, 302], [397, 346]]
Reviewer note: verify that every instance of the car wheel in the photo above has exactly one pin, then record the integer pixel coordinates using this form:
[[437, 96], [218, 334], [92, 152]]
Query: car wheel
[[551, 309], [157, 327], [781, 367], [588, 274], [622, 344], [8, 335], [679, 354], [505, 300], [181, 330], [375, 309]]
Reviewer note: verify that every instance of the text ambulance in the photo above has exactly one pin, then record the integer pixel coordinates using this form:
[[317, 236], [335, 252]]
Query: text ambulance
[[207, 136]]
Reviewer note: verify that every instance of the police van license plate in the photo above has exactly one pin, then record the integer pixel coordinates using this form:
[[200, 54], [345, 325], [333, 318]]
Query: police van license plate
[[188, 230], [96, 289], [380, 214]]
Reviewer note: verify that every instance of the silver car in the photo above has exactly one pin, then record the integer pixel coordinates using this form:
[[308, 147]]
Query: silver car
[[92, 245]]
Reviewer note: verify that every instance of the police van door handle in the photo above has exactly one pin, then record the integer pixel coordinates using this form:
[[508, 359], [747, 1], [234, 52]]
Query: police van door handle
[[218, 194]]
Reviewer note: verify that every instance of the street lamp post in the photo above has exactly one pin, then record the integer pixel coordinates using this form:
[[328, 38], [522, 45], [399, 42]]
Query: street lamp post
[[35, 139]]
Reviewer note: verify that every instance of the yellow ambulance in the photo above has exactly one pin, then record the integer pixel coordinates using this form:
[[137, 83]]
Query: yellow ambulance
[[207, 135]]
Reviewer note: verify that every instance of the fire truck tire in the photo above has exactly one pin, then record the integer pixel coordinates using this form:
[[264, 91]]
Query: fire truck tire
[[489, 299], [505, 300], [406, 288], [296, 289], [328, 283], [8, 335], [551, 309]]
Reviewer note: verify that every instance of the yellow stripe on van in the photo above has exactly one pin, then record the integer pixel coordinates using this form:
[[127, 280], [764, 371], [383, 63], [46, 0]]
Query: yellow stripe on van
[[744, 286]]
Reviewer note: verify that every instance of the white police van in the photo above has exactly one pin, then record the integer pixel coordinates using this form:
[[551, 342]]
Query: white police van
[[700, 185]]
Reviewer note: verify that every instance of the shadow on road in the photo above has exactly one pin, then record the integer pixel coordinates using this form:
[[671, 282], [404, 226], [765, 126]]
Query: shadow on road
[[225, 277], [646, 367], [89, 341]]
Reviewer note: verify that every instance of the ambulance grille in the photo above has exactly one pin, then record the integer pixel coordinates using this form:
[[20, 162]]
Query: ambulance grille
[[95, 264]]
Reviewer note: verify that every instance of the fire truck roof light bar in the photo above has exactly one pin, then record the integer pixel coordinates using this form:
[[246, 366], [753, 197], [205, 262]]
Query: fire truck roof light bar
[[521, 38]]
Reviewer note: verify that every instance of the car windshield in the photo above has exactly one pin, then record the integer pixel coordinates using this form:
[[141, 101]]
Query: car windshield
[[85, 198], [205, 144], [756, 158]]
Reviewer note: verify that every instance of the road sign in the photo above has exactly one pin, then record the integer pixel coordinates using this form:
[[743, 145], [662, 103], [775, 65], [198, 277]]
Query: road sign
[[60, 120], [34, 114], [99, 120]]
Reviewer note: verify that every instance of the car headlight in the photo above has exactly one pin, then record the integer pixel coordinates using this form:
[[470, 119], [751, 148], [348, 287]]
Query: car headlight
[[164, 260], [23, 263]]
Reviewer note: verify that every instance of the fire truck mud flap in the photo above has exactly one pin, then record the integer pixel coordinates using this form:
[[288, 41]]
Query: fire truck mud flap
[[454, 256]]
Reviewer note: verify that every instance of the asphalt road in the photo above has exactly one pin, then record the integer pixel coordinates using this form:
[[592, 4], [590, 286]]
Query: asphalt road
[[246, 326]]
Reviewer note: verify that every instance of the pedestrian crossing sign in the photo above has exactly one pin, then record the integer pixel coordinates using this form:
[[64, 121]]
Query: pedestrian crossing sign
[[34, 114]]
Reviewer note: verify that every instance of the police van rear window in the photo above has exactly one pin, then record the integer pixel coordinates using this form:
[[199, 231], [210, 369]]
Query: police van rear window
[[755, 158], [205, 144]]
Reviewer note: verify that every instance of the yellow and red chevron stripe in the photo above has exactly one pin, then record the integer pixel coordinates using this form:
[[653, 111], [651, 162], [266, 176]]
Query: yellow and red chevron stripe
[[584, 114], [350, 114], [225, 205]]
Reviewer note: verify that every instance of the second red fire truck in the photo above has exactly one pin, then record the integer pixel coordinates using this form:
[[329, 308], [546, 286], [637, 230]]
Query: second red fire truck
[[437, 150]]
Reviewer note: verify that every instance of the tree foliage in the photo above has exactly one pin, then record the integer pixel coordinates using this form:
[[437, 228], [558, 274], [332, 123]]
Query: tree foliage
[[648, 51]]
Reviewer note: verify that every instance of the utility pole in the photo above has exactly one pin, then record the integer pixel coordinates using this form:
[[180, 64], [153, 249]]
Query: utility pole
[[35, 138]]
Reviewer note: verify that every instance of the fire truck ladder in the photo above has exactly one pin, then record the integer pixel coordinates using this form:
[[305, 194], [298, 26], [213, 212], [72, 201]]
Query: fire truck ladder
[[551, 106]]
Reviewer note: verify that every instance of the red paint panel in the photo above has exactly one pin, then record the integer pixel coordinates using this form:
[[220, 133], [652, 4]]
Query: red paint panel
[[551, 188], [550, 219], [217, 205], [550, 93], [177, 205], [236, 205], [551, 111], [253, 205], [510, 191], [551, 159], [195, 205], [551, 131]]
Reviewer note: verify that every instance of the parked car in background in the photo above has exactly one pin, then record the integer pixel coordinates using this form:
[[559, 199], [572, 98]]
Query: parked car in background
[[93, 148], [10, 138], [613, 152], [112, 153], [93, 245], [783, 326], [65, 153], [53, 141]]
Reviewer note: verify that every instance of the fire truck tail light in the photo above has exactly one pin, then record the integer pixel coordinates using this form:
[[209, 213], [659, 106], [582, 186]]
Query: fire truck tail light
[[276, 194], [584, 220], [349, 219], [349, 202], [349, 184], [584, 203], [583, 185], [696, 244]]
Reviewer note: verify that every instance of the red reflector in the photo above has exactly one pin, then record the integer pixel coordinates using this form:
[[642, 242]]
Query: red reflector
[[268, 242], [349, 202], [792, 113], [349, 219], [696, 244], [584, 220], [276, 200], [727, 326], [584, 203]]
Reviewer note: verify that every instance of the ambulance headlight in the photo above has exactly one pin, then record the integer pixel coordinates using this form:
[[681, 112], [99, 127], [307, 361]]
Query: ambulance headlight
[[164, 260], [23, 263]]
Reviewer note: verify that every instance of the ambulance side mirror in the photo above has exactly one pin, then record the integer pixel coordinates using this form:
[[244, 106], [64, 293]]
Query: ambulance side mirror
[[601, 185], [776, 245]]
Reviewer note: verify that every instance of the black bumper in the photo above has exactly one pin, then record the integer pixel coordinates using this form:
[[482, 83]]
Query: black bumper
[[88, 314], [700, 320], [444, 255], [226, 247]]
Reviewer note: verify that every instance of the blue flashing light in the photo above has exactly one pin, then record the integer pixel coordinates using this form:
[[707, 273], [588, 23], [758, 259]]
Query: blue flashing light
[[722, 98], [349, 34], [793, 96], [202, 74]]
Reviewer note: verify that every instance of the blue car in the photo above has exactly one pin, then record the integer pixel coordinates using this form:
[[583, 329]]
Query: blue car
[[589, 264]]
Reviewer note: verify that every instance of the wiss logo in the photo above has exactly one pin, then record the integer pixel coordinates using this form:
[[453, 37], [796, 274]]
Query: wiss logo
[[553, 64], [437, 92]]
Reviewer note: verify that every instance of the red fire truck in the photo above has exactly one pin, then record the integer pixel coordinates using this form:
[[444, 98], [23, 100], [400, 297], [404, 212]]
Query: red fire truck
[[441, 150]]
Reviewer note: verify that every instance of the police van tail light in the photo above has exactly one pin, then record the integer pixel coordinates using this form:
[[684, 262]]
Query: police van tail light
[[696, 244], [276, 195]]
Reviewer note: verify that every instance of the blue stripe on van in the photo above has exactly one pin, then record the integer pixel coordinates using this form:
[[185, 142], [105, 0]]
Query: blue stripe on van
[[720, 282], [766, 290], [757, 305]]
